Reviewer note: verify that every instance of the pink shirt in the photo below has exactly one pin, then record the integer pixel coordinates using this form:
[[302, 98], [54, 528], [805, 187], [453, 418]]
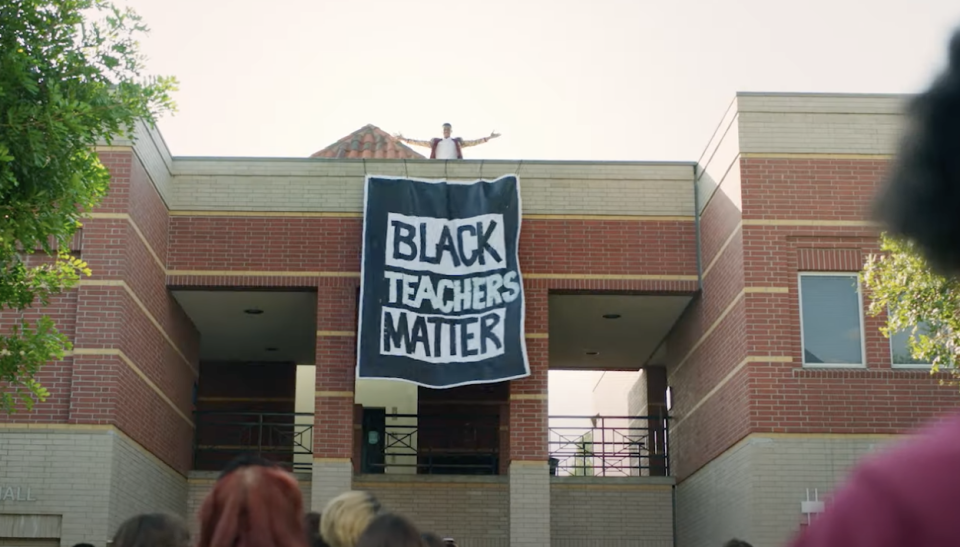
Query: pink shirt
[[908, 496]]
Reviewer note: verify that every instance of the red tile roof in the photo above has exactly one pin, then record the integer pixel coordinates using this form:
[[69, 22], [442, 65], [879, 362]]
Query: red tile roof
[[369, 142]]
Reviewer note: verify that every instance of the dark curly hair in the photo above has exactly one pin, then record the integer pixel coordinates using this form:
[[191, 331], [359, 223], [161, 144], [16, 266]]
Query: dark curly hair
[[920, 198]]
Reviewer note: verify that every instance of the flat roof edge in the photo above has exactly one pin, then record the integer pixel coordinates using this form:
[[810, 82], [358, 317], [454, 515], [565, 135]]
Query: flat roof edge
[[477, 161], [825, 95]]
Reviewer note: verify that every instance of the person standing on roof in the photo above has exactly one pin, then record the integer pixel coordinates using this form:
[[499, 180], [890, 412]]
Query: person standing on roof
[[446, 148]]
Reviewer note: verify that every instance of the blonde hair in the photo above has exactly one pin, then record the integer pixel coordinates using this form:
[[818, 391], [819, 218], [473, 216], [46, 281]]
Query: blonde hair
[[346, 517]]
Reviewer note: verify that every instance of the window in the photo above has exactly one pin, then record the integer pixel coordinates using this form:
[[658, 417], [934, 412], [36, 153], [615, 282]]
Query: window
[[831, 320], [900, 348]]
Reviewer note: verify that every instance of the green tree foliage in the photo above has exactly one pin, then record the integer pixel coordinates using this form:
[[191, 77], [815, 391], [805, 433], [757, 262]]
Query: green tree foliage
[[899, 281], [71, 77]]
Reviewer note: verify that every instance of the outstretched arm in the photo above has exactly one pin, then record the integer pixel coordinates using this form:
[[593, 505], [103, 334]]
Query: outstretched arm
[[475, 142], [415, 142]]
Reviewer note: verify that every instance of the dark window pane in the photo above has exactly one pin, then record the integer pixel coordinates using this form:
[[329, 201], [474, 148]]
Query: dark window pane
[[831, 320], [900, 346]]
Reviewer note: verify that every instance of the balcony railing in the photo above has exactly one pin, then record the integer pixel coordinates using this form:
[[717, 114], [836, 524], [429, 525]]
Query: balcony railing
[[285, 438], [432, 444], [609, 446], [439, 444]]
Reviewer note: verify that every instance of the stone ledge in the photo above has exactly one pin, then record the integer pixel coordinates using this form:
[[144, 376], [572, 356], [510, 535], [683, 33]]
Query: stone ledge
[[430, 479], [612, 481]]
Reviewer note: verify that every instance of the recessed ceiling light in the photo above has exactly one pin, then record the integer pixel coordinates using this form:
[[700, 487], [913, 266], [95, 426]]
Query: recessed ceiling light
[[592, 353], [253, 311], [272, 349], [611, 316]]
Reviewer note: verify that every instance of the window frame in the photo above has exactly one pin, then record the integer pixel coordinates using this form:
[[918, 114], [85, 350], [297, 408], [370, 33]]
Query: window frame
[[905, 366], [863, 330]]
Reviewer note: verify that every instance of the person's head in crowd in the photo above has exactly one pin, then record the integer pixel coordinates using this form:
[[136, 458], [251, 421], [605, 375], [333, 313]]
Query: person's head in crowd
[[312, 525], [390, 530], [83, 545], [737, 543], [312, 522], [449, 542], [253, 506], [152, 530], [921, 195], [246, 460], [431, 540], [346, 517]]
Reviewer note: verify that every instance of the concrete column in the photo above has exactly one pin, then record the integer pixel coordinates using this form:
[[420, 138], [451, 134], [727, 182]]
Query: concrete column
[[529, 504], [333, 413], [529, 451]]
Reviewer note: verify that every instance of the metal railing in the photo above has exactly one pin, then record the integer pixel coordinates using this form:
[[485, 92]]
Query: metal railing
[[433, 445], [283, 437], [595, 446], [609, 446]]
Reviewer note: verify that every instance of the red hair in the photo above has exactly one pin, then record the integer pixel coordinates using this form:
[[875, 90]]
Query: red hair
[[253, 507]]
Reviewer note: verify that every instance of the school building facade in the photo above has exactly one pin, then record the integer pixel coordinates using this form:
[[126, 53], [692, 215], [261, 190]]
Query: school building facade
[[221, 319]]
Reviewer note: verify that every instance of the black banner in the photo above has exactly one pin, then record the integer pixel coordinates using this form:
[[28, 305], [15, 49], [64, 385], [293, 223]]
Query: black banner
[[441, 295]]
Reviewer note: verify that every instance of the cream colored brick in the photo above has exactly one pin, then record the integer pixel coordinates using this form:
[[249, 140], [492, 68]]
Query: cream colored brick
[[330, 479], [529, 505], [587, 511], [337, 185], [720, 162], [822, 103], [753, 490], [94, 479], [140, 485], [819, 123], [473, 510]]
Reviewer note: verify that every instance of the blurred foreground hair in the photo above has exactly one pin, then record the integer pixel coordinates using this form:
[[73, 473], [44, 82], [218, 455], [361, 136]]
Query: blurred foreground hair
[[253, 506], [920, 198], [390, 530], [152, 530]]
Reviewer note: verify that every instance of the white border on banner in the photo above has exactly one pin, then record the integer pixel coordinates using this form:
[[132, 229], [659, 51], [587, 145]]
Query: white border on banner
[[523, 291]]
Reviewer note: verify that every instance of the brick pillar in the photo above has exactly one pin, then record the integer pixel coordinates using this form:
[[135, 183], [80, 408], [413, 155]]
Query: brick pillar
[[529, 467], [97, 368], [333, 413]]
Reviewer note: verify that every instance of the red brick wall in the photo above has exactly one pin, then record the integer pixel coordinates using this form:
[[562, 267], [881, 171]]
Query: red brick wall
[[55, 377], [876, 400], [696, 364], [168, 355], [334, 244], [112, 333], [527, 415], [826, 200], [336, 361]]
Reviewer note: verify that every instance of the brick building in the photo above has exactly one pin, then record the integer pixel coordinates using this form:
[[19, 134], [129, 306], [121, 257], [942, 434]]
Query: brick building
[[222, 310]]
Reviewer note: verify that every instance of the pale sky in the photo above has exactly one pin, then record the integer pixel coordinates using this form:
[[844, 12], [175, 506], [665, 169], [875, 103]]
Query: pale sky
[[560, 79]]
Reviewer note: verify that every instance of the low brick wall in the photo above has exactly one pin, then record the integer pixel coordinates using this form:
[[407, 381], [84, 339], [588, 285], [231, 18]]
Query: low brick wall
[[625, 512], [473, 510], [584, 511]]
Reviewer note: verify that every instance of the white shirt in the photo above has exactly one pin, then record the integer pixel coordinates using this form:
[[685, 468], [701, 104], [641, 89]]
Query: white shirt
[[447, 149]]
